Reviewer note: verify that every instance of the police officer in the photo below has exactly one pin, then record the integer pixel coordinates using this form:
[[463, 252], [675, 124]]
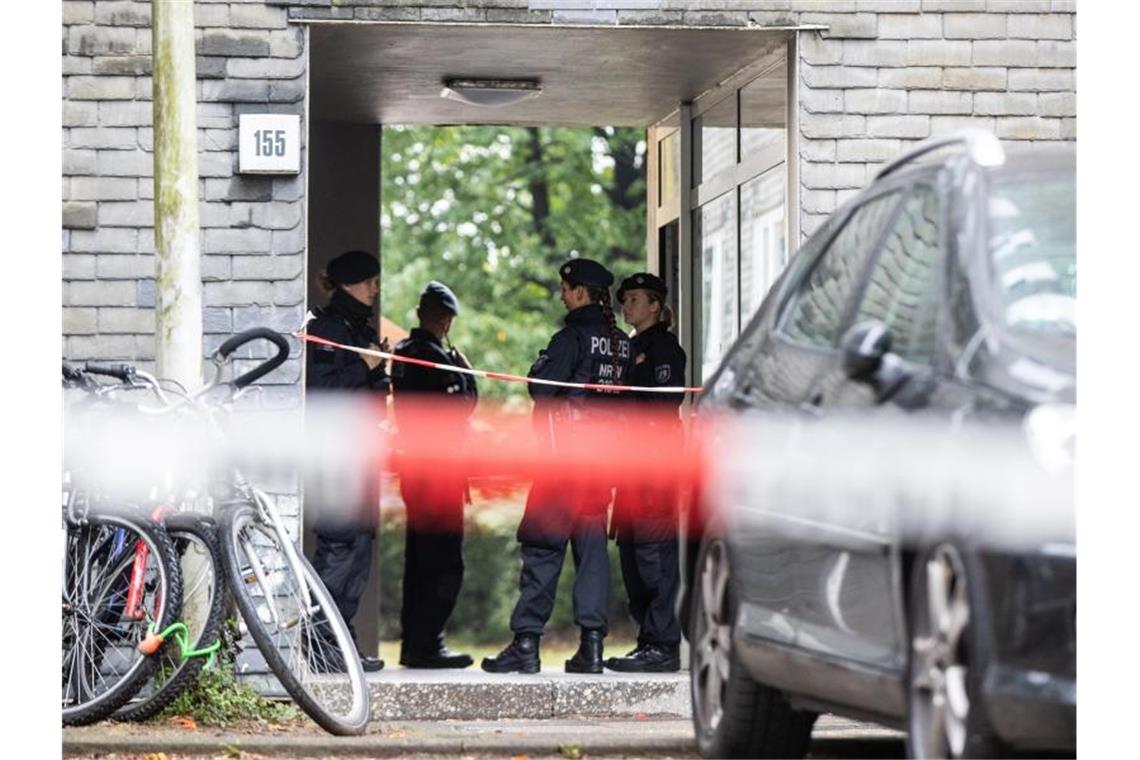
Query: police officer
[[589, 349], [433, 544], [645, 513], [343, 556]]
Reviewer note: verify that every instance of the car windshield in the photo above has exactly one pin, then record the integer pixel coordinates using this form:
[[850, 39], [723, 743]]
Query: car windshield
[[1033, 252]]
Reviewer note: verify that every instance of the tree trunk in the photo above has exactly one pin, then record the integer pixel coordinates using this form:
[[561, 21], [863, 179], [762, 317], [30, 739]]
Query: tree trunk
[[540, 198]]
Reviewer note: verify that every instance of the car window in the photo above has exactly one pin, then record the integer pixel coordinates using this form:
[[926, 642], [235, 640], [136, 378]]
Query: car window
[[902, 288], [816, 312], [1033, 253]]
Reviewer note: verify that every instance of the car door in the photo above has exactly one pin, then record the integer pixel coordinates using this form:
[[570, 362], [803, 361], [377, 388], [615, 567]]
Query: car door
[[786, 355], [851, 607]]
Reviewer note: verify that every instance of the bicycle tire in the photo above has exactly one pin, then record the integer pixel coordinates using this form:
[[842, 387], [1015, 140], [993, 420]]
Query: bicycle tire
[[165, 600], [240, 522], [188, 530]]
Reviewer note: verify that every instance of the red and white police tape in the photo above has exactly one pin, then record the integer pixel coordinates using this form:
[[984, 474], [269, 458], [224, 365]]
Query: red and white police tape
[[497, 375]]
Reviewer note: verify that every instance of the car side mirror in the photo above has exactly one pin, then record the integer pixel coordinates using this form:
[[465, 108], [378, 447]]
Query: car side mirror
[[864, 345], [867, 358]]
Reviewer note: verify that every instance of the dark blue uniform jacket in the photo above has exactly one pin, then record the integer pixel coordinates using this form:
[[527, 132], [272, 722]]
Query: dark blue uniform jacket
[[411, 380], [581, 352], [646, 512], [659, 361], [346, 321]]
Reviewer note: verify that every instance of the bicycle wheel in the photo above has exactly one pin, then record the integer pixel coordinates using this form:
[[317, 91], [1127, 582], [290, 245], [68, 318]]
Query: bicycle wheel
[[102, 665], [307, 645], [195, 539]]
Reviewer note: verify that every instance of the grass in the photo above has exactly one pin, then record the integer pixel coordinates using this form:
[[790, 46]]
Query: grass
[[216, 698]]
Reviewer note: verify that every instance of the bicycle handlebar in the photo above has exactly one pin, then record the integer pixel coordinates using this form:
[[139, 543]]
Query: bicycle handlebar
[[124, 373], [265, 367], [72, 374]]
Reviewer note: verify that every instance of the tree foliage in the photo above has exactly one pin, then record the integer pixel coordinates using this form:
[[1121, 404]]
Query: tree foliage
[[492, 212]]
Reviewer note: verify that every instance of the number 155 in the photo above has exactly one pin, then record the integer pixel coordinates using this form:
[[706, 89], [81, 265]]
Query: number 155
[[269, 142]]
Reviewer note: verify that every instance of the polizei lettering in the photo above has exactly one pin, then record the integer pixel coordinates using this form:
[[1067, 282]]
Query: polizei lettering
[[601, 345]]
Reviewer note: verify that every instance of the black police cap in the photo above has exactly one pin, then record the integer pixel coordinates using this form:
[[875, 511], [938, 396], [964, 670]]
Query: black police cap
[[440, 295], [352, 267], [642, 281], [586, 272]]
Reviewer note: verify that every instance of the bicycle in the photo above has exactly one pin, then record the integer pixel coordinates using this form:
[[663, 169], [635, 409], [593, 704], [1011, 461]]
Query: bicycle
[[285, 607], [120, 580]]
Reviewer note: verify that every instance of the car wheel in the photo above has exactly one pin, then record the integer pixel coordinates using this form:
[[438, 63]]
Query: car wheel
[[733, 715], [947, 656]]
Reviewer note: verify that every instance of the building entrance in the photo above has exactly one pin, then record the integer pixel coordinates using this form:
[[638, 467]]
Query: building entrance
[[714, 103]]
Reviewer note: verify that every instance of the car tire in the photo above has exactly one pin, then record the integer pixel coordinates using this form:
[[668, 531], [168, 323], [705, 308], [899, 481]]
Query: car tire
[[947, 657], [733, 715]]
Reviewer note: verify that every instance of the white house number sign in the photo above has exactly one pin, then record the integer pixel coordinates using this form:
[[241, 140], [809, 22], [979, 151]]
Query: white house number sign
[[269, 143]]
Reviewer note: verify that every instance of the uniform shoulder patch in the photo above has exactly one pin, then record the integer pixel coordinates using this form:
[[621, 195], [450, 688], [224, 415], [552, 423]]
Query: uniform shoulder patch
[[542, 360], [662, 373]]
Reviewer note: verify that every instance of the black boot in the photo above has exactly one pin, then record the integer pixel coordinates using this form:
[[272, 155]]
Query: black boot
[[631, 653], [520, 656], [588, 658], [436, 658], [651, 658]]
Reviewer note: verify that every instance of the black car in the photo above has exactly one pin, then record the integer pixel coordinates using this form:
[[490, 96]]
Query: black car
[[944, 291]]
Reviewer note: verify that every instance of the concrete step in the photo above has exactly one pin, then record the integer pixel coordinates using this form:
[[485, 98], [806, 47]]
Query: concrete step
[[471, 694]]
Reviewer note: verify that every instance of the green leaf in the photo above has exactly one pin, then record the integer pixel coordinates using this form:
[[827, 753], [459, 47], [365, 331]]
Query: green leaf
[[492, 212]]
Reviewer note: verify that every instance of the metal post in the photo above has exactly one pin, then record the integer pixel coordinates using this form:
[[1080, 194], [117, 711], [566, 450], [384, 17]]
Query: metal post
[[793, 197], [178, 281], [689, 303]]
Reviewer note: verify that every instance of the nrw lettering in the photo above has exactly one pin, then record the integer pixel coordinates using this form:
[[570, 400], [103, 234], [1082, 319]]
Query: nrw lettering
[[606, 371]]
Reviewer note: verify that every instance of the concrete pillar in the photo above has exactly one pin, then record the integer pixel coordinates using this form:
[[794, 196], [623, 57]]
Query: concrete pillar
[[344, 214], [178, 281]]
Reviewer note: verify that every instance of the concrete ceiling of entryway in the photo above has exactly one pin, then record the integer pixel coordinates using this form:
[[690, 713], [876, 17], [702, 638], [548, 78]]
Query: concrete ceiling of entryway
[[393, 73]]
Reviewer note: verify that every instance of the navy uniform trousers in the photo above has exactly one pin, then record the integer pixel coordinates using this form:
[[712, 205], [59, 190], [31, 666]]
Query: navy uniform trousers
[[551, 521], [343, 560], [433, 559], [652, 577]]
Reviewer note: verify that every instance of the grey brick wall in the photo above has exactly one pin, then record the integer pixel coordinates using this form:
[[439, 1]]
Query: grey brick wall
[[884, 73], [250, 58], [915, 68]]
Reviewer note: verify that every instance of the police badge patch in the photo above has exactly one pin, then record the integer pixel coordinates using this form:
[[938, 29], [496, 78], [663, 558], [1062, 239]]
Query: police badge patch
[[662, 373]]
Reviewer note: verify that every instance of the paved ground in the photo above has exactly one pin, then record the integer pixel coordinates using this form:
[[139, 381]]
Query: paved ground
[[833, 737]]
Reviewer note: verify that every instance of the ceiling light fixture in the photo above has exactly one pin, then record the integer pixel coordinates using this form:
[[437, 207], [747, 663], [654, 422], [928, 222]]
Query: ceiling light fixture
[[490, 93]]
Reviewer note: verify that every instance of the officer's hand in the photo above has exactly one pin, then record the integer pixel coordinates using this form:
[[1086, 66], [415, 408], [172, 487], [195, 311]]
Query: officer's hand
[[385, 345], [372, 361], [460, 359]]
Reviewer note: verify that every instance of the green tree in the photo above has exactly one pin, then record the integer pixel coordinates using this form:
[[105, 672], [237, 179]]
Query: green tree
[[492, 212]]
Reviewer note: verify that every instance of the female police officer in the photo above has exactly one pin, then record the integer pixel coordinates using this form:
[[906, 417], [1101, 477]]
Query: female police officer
[[589, 349], [343, 555], [645, 516]]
